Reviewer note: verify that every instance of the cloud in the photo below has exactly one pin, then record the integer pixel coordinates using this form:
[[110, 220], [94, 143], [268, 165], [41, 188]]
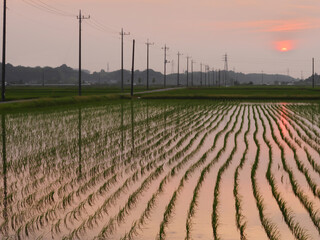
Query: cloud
[[269, 25]]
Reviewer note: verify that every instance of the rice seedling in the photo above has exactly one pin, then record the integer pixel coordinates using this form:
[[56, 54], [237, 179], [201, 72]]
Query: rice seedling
[[240, 219], [73, 173], [269, 227]]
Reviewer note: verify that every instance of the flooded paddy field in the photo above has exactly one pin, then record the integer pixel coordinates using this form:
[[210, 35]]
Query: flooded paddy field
[[162, 170]]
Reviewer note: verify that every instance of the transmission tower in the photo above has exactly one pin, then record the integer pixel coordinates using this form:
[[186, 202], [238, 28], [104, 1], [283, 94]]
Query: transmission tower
[[165, 48], [226, 69]]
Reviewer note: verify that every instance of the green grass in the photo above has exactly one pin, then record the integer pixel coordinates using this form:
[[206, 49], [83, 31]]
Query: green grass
[[246, 93], [44, 97], [31, 92]]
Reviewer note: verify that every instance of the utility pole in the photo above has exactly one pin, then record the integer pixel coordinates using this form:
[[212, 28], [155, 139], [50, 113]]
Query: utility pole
[[122, 34], [132, 72], [192, 62], [261, 77], [165, 48], [148, 46], [43, 77], [188, 71], [205, 75], [313, 85], [178, 76], [201, 74], [3, 85], [219, 78], [209, 82], [80, 18], [213, 77]]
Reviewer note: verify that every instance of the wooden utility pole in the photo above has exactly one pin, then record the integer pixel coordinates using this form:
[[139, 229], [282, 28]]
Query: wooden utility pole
[[213, 77], [188, 71], [313, 78], [122, 33], [132, 71], [165, 48], [201, 74], [192, 63], [80, 18], [178, 76], [43, 77], [3, 85], [148, 46]]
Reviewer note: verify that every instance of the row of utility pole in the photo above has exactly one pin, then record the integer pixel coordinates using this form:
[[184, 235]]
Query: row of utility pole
[[122, 33]]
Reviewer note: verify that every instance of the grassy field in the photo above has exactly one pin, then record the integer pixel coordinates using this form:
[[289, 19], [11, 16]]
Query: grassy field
[[254, 92], [246, 93], [18, 93], [44, 97]]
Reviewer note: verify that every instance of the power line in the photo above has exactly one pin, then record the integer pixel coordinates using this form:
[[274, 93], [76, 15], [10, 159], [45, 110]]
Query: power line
[[48, 8], [55, 9]]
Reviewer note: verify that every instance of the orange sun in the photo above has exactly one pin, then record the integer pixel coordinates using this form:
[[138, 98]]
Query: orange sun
[[284, 46]]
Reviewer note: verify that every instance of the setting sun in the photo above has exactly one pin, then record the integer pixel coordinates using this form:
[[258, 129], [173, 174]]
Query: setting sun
[[284, 46]]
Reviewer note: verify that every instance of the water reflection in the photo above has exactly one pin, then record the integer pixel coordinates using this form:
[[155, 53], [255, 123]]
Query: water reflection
[[5, 191], [121, 128], [80, 141], [132, 128]]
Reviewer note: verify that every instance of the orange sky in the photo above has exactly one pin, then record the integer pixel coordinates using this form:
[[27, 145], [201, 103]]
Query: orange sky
[[252, 32]]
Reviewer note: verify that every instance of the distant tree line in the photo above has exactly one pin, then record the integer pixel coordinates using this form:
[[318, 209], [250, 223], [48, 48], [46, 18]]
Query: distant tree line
[[19, 75]]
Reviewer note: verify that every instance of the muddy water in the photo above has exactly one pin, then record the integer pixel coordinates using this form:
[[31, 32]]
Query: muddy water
[[84, 173]]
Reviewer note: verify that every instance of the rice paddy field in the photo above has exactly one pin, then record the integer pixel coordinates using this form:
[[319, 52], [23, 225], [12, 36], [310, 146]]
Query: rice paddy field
[[169, 169]]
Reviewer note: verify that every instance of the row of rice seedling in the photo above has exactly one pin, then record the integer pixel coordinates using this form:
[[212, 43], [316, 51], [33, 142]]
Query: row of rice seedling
[[90, 196], [308, 205], [307, 111], [308, 142], [179, 154], [287, 213], [240, 218], [170, 208], [93, 179], [269, 227], [305, 121], [223, 168], [301, 167], [152, 202], [297, 123], [204, 172]]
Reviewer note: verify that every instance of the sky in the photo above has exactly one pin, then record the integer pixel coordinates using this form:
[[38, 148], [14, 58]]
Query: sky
[[274, 36]]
